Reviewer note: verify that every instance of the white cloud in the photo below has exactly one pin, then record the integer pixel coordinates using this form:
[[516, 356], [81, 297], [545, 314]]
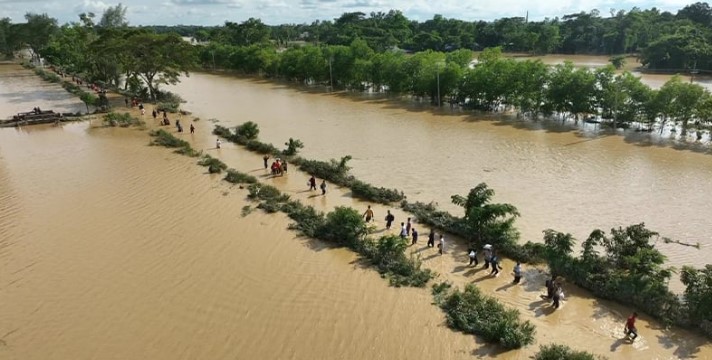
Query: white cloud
[[95, 6], [169, 12]]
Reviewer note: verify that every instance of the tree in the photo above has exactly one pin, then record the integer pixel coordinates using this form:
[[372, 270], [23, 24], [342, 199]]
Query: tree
[[248, 130], [698, 292], [160, 58], [293, 146], [38, 31], [617, 61], [114, 17], [487, 222], [88, 99]]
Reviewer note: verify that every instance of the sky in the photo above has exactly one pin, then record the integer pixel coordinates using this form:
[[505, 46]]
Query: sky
[[274, 12]]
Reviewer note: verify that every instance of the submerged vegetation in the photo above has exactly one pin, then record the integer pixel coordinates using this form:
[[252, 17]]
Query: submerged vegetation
[[472, 312], [121, 120], [164, 138], [334, 171], [563, 352], [215, 166]]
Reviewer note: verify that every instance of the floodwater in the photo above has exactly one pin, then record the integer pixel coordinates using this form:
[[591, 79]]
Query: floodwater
[[111, 249], [571, 179]]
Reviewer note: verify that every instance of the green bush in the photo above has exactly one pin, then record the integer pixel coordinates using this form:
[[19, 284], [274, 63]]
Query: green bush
[[563, 352], [168, 107], [215, 166], [334, 171], [388, 256], [344, 226], [248, 130], [474, 313], [121, 119], [293, 146], [222, 132], [166, 139], [264, 192], [306, 219], [260, 147], [236, 177], [380, 195]]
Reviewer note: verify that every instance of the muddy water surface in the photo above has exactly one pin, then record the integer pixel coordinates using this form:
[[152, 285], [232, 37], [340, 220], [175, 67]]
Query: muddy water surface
[[111, 249], [559, 177]]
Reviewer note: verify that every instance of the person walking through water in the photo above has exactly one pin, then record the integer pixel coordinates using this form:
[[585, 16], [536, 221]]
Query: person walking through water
[[389, 220], [431, 238], [408, 226], [403, 233], [265, 159], [630, 331], [218, 143], [414, 234], [472, 254], [368, 214], [441, 244], [558, 295], [323, 187], [487, 255], [494, 261], [192, 129], [517, 273], [312, 183]]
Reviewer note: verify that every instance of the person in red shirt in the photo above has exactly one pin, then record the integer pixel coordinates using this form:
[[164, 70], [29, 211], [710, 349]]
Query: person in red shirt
[[630, 329]]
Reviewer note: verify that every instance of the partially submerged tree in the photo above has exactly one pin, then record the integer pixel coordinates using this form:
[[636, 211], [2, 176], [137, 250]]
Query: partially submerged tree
[[160, 59], [487, 222]]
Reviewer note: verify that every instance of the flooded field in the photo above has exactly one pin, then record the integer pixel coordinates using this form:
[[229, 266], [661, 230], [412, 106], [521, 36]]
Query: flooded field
[[111, 249]]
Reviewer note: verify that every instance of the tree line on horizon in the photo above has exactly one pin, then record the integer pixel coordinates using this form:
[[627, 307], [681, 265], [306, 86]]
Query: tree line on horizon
[[663, 40], [112, 53]]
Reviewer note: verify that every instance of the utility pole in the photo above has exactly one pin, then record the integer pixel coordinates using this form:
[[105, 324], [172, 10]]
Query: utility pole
[[438, 76], [331, 74], [693, 72]]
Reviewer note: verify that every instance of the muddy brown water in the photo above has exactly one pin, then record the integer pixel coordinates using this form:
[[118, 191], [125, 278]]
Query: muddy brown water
[[566, 178], [111, 249]]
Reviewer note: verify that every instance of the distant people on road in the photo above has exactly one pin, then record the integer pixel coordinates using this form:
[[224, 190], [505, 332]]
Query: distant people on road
[[312, 183], [192, 129], [218, 143], [323, 187], [441, 244], [414, 235], [408, 226], [265, 159]]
